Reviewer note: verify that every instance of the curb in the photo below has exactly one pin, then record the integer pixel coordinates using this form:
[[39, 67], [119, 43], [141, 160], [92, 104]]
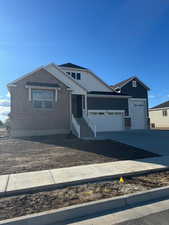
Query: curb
[[53, 186], [60, 216]]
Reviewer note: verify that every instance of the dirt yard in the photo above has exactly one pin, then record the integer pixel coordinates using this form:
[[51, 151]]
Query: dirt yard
[[40, 153], [32, 203]]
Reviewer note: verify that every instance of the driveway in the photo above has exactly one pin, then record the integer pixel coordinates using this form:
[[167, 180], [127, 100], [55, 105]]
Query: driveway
[[156, 141]]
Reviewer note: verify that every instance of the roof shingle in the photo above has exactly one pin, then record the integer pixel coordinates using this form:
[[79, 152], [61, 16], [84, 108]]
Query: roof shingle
[[162, 105], [71, 65]]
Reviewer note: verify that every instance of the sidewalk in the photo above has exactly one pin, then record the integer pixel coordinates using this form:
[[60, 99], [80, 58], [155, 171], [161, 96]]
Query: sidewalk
[[42, 180]]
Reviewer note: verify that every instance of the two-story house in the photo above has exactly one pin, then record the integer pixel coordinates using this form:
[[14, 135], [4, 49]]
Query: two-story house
[[69, 98]]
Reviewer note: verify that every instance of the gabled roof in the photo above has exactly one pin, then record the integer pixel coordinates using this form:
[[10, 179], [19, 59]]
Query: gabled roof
[[71, 65], [162, 105], [124, 82]]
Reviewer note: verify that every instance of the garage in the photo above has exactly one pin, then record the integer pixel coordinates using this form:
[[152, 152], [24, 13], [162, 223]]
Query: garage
[[107, 120]]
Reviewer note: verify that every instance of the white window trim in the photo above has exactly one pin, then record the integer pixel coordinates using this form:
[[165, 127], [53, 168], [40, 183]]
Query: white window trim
[[41, 88], [75, 72], [134, 83]]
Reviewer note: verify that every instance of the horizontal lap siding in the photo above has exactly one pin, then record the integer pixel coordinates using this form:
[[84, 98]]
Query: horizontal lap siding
[[96, 103]]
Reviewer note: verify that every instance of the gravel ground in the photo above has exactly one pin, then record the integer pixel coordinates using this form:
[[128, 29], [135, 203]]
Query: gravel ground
[[49, 152], [32, 203]]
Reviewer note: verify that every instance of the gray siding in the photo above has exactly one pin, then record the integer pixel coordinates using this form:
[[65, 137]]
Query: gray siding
[[25, 117], [107, 103], [138, 92]]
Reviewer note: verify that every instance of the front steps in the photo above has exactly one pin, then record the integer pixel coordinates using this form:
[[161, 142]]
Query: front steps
[[85, 130]]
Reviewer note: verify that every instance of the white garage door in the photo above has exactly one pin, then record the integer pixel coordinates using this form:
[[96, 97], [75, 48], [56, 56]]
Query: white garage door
[[107, 120]]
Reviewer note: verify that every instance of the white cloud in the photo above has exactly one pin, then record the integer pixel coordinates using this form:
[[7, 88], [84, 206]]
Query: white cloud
[[4, 111], [8, 95], [4, 102], [4, 108]]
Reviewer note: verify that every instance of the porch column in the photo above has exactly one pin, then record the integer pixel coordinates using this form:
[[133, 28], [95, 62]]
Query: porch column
[[86, 104]]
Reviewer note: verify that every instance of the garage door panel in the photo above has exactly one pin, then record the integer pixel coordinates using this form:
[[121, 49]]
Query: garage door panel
[[109, 121]]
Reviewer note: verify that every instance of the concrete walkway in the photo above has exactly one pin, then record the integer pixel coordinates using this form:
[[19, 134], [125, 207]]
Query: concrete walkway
[[156, 141], [42, 180]]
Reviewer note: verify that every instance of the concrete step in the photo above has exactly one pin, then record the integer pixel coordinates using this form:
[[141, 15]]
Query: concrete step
[[85, 130]]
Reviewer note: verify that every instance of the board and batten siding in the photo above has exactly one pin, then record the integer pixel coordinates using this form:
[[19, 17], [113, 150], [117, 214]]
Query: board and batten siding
[[135, 92], [102, 103], [88, 80]]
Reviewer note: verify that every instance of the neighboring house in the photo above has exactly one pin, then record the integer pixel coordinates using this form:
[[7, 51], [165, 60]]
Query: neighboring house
[[64, 98], [159, 115]]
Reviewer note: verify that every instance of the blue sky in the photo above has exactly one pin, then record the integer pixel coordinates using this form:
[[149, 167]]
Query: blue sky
[[114, 38]]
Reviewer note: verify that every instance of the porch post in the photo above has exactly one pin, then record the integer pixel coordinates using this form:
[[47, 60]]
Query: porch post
[[86, 104]]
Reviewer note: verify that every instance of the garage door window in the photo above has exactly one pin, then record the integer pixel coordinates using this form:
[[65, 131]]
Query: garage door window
[[115, 113]]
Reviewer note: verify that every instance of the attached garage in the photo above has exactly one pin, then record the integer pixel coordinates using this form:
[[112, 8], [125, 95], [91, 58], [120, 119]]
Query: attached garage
[[107, 120]]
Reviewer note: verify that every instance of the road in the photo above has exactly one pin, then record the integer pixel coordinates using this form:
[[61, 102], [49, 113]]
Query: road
[[156, 213], [161, 218]]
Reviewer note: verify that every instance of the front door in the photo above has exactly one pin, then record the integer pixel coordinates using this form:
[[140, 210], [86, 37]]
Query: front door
[[77, 105], [138, 114]]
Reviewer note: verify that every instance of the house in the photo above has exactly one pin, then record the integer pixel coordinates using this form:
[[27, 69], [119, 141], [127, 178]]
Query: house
[[159, 115], [63, 98]]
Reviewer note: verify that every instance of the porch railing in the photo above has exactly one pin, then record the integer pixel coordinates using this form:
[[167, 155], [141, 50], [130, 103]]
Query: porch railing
[[90, 123], [76, 126]]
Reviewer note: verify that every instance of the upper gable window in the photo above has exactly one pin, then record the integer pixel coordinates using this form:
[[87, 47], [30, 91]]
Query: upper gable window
[[43, 98], [76, 76], [134, 83], [73, 75]]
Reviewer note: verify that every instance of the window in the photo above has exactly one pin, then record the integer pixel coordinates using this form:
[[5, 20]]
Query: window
[[73, 75], [43, 98], [165, 112], [78, 76], [134, 83]]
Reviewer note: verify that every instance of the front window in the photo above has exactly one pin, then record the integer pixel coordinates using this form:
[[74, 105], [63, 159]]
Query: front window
[[43, 98], [164, 112]]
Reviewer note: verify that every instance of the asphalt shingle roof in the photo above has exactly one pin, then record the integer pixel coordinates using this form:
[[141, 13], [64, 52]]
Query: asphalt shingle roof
[[120, 84], [162, 105], [71, 65]]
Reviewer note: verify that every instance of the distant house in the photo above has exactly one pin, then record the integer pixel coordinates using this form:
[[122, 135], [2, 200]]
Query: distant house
[[56, 99], [159, 115]]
